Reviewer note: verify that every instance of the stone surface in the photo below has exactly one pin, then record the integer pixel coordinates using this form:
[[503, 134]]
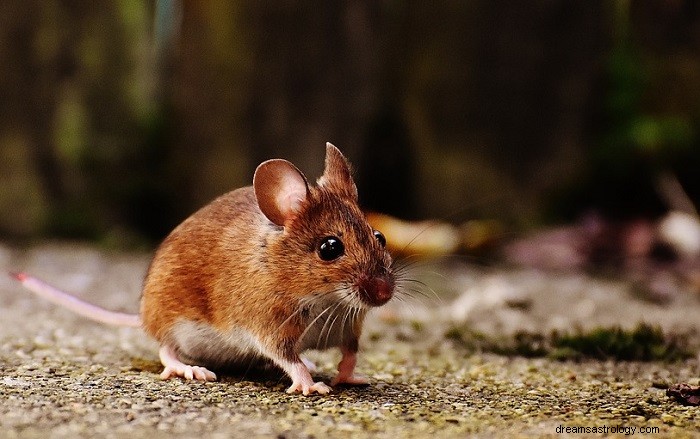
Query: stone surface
[[62, 376]]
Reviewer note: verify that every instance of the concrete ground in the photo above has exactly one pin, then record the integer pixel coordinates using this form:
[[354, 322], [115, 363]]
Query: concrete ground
[[62, 376]]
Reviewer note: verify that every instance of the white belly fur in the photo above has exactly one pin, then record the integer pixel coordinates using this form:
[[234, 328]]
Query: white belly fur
[[202, 344]]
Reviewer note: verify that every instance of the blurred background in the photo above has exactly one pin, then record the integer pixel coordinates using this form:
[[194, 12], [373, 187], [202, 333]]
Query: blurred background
[[119, 118]]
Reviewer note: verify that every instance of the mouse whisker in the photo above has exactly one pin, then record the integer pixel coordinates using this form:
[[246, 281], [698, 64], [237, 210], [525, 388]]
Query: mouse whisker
[[406, 265], [346, 313], [413, 295], [403, 281], [352, 314], [410, 306], [291, 316], [327, 314], [311, 324], [406, 262], [418, 287], [317, 300], [350, 305], [330, 328]]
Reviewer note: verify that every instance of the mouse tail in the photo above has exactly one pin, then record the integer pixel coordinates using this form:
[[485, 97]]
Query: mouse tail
[[85, 309]]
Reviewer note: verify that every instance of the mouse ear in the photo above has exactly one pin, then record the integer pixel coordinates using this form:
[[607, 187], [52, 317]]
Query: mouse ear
[[280, 189], [338, 174]]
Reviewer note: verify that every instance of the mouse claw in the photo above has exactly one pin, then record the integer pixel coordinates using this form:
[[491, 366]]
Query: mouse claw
[[176, 368], [203, 374], [168, 373], [303, 382], [188, 372], [319, 387]]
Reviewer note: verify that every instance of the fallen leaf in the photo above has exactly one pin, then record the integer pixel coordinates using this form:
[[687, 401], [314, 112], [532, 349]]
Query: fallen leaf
[[685, 393]]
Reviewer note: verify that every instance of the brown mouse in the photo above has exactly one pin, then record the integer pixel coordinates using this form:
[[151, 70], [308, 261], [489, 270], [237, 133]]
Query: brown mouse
[[262, 273]]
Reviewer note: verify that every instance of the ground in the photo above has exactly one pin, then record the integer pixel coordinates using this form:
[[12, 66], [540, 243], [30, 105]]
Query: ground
[[63, 376]]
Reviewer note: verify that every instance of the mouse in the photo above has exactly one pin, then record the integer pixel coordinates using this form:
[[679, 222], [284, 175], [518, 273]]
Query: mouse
[[261, 274]]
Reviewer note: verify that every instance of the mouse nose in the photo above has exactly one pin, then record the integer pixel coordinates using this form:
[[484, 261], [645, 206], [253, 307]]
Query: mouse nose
[[375, 291]]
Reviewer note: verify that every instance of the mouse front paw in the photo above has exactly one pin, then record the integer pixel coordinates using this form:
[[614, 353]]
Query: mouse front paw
[[346, 370], [355, 380], [307, 389], [302, 382]]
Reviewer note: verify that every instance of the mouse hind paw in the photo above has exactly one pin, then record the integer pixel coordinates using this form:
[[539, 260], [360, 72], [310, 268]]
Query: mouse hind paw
[[188, 372], [176, 368]]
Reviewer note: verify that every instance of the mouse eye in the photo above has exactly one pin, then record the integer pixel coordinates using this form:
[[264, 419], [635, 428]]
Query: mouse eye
[[331, 248], [380, 237]]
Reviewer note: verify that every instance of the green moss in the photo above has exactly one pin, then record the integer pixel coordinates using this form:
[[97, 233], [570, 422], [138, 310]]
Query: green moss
[[417, 326], [643, 343]]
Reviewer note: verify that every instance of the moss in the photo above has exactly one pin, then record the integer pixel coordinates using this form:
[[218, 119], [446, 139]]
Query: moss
[[643, 343], [417, 326]]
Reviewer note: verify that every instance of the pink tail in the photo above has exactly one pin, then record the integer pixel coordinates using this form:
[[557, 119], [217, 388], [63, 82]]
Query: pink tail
[[76, 305]]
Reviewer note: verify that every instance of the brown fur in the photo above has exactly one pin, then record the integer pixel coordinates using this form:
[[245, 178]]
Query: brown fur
[[230, 265]]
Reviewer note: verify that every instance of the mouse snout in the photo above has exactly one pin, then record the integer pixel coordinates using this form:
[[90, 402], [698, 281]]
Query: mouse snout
[[376, 290]]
